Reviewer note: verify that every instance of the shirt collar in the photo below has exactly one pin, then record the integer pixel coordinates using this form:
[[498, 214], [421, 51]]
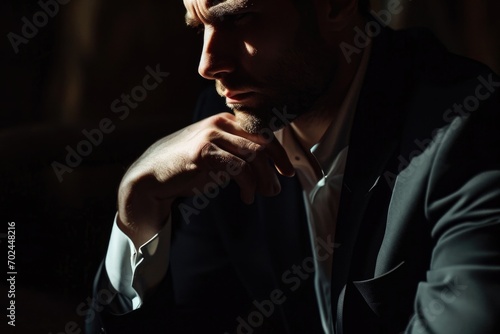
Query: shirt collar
[[336, 137]]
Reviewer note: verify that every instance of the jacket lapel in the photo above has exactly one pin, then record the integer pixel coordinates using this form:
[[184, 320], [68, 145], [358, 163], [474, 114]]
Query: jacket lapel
[[374, 141]]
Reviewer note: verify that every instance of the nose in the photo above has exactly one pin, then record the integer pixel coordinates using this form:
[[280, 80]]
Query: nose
[[217, 56]]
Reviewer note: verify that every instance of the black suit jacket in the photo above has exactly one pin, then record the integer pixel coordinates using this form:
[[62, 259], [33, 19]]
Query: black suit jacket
[[418, 232]]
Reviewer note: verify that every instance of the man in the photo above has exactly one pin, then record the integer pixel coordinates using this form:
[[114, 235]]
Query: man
[[379, 211]]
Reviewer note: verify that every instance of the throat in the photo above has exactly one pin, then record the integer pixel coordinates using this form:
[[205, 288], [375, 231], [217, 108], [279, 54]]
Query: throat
[[309, 129]]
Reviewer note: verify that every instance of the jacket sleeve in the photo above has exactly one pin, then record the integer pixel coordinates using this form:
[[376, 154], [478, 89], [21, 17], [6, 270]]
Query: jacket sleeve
[[122, 282], [462, 290]]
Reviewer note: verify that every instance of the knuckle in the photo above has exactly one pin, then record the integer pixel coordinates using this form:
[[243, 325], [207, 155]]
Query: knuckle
[[254, 147], [246, 170], [210, 157], [248, 148], [205, 151], [218, 121], [210, 134]]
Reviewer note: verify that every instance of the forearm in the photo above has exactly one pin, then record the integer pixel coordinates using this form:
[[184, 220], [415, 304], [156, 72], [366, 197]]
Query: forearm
[[141, 213]]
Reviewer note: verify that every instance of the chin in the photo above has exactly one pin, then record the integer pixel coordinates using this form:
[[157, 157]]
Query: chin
[[251, 122]]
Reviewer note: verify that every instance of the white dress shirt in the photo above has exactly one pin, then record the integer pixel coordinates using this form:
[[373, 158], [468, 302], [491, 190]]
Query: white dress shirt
[[322, 192], [132, 272]]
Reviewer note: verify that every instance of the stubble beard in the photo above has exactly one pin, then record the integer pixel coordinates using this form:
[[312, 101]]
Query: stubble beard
[[296, 82]]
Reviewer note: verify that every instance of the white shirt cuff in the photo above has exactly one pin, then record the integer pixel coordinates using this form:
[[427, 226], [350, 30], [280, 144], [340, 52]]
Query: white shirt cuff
[[132, 273]]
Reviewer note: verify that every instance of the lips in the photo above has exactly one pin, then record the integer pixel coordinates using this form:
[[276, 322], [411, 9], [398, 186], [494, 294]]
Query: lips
[[237, 97]]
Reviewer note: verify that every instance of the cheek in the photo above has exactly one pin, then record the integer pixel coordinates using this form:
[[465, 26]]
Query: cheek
[[271, 35], [267, 53]]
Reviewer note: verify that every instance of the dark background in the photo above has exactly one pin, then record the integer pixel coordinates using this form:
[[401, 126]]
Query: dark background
[[64, 81]]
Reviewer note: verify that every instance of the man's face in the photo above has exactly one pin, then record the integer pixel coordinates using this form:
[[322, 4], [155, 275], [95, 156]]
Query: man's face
[[263, 54]]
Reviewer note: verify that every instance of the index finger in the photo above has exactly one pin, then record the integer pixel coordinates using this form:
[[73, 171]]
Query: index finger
[[272, 146]]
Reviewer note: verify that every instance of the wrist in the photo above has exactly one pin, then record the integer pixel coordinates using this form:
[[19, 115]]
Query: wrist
[[141, 215]]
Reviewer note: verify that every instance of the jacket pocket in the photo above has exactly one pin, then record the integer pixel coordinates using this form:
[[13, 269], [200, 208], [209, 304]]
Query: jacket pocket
[[381, 290]]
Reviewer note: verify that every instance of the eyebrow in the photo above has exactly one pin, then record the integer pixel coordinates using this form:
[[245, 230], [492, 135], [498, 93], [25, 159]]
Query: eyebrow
[[218, 11]]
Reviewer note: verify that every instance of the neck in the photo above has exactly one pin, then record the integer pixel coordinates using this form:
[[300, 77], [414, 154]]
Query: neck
[[311, 126]]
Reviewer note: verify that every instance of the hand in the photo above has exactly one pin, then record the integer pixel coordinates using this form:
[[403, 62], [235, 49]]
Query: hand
[[176, 165]]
